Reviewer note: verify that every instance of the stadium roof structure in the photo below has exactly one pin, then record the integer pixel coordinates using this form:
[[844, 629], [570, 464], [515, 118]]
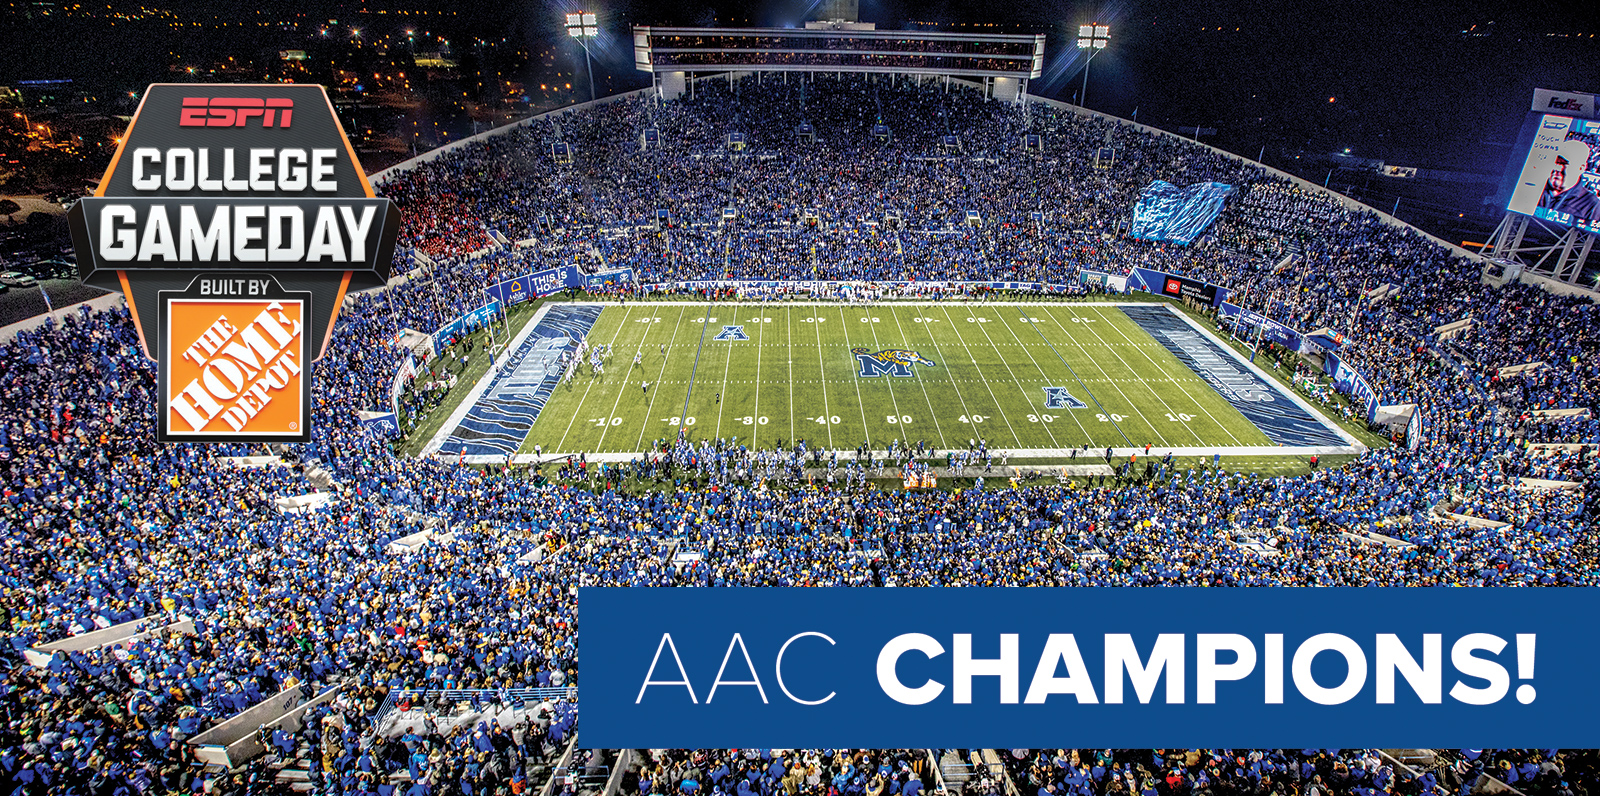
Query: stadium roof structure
[[665, 50]]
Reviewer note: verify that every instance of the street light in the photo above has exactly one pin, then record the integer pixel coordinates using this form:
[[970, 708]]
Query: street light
[[582, 26], [1092, 38]]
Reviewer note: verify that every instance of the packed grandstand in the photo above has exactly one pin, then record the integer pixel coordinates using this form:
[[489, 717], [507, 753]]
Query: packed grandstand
[[247, 600]]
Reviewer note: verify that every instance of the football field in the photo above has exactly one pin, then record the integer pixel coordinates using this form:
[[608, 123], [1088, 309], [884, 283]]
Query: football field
[[1034, 379]]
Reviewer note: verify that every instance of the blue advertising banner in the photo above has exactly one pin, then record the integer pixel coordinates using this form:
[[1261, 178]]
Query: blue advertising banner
[[465, 323], [1271, 330], [1089, 668], [1349, 381], [1169, 214], [1259, 399], [1176, 286], [536, 284], [611, 278]]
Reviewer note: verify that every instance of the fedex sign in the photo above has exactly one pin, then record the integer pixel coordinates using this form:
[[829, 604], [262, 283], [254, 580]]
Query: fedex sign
[[1566, 103]]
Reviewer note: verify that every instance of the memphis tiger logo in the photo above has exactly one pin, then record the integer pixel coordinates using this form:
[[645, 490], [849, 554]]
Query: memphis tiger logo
[[890, 361], [732, 332], [1060, 398]]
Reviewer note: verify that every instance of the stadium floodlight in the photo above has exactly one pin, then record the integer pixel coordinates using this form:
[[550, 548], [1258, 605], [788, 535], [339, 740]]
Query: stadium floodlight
[[583, 26], [1091, 39]]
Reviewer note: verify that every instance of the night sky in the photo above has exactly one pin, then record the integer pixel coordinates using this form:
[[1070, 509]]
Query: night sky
[[1408, 85]]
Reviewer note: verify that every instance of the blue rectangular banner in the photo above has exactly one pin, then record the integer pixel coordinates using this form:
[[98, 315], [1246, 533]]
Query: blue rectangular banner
[[1089, 668]]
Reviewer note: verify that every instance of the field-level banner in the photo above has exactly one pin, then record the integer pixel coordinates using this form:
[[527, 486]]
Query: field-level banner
[[1089, 668], [1176, 286]]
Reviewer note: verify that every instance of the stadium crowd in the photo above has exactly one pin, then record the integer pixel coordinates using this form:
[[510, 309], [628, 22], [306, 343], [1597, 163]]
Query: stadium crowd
[[105, 526]]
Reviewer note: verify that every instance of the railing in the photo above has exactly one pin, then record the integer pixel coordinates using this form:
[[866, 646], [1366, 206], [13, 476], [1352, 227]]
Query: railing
[[526, 695]]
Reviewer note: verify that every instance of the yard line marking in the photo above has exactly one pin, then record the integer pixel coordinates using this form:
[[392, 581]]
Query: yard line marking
[[1158, 396], [562, 445], [972, 425], [649, 410], [705, 320], [1018, 384], [894, 313], [824, 372], [788, 325], [726, 365], [624, 388], [997, 405], [1114, 424], [1068, 412], [755, 422], [1145, 350], [1114, 382], [861, 403]]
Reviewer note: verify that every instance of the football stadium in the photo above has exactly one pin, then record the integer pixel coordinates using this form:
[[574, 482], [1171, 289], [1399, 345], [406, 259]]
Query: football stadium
[[819, 307]]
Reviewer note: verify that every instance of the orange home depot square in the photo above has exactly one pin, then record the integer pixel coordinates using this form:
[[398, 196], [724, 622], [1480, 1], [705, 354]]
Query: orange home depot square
[[234, 367]]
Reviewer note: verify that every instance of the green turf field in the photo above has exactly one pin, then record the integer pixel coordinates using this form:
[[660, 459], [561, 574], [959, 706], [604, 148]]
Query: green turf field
[[795, 377]]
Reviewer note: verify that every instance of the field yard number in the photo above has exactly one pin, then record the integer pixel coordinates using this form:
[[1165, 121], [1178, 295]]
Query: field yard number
[[759, 320], [813, 320], [703, 320], [753, 421], [924, 320], [977, 320], [869, 320], [673, 421], [1041, 418], [1179, 418], [602, 422], [649, 320], [1114, 418], [827, 421], [1076, 319], [902, 419], [972, 419]]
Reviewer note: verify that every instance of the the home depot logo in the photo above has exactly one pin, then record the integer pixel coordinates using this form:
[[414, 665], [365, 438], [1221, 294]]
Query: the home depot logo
[[236, 111], [235, 367]]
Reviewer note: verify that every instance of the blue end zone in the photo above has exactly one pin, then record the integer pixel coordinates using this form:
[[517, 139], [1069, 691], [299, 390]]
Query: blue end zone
[[499, 422], [1284, 421]]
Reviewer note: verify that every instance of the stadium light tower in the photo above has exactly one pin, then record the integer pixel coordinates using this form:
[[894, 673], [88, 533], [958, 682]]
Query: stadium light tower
[[581, 26], [1092, 38]]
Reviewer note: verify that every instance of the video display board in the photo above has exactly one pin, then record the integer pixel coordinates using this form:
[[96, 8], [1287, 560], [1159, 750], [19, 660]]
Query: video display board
[[1560, 178]]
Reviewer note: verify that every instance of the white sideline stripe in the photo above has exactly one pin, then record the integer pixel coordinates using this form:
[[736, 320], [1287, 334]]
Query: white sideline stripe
[[1059, 454], [476, 394], [1355, 444]]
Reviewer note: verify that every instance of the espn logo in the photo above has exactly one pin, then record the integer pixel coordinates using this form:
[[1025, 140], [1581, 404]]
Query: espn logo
[[234, 111], [236, 366]]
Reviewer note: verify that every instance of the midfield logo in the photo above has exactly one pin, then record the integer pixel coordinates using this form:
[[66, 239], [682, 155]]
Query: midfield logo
[[732, 333], [1059, 398], [893, 361]]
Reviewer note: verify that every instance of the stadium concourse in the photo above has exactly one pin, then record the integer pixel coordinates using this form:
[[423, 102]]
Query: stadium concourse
[[103, 526]]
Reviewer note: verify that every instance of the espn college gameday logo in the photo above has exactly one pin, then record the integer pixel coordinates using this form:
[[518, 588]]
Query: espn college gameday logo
[[235, 219]]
